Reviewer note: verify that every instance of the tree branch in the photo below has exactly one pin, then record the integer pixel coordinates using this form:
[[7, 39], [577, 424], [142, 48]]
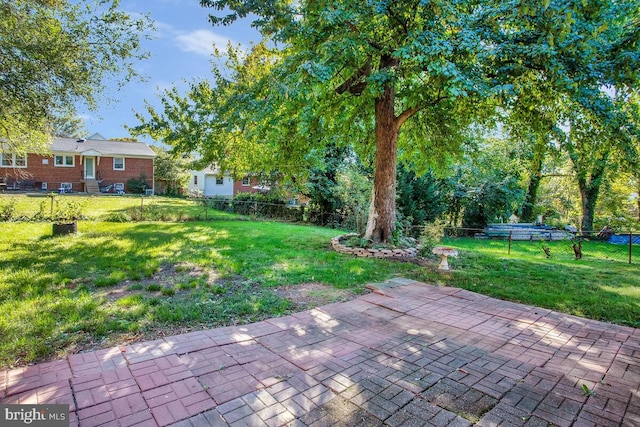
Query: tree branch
[[407, 114], [410, 112], [354, 84], [371, 42], [402, 23]]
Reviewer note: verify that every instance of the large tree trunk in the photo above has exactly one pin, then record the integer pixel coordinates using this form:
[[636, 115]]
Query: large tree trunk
[[589, 196], [590, 171], [534, 184], [382, 215], [531, 197], [589, 192]]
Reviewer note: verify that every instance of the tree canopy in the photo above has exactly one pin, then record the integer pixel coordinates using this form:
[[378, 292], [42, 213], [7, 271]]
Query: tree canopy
[[174, 171], [405, 79], [56, 53]]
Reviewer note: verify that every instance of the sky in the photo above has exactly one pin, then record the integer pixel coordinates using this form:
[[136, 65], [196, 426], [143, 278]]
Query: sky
[[180, 51]]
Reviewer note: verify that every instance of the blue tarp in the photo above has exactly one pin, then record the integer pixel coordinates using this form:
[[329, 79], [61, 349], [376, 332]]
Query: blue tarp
[[623, 239]]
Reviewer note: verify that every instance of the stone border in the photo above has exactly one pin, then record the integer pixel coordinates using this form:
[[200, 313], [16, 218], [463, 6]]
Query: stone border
[[370, 253]]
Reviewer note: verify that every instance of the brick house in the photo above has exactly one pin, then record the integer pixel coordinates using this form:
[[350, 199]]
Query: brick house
[[79, 165]]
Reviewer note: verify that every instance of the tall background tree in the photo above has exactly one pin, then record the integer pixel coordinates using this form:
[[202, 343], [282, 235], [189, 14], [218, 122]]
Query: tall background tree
[[212, 121], [56, 53], [407, 80], [488, 186], [68, 127], [532, 124], [171, 173], [595, 145], [431, 69]]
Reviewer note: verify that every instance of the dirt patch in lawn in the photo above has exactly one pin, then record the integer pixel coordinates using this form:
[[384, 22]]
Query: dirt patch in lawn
[[180, 277], [314, 294], [176, 283], [168, 278]]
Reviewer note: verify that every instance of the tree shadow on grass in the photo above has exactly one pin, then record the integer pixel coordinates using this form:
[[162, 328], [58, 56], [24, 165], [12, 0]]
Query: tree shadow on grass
[[53, 288]]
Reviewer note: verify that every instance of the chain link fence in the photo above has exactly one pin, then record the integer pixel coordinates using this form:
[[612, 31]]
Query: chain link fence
[[508, 239], [283, 211], [553, 243]]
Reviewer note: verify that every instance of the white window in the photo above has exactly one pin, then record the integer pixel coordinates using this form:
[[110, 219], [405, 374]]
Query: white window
[[246, 181], [64, 161], [9, 160], [66, 187], [118, 186], [43, 186], [219, 181], [118, 163]]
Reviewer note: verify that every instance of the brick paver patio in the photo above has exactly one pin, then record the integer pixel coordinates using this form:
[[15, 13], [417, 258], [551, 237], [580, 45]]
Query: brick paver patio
[[408, 354]]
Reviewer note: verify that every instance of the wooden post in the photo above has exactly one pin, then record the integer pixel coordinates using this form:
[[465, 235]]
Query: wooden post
[[141, 208], [510, 234]]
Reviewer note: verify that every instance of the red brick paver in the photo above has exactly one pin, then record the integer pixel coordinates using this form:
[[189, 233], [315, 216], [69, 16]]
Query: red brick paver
[[159, 371], [408, 354], [92, 389], [177, 401]]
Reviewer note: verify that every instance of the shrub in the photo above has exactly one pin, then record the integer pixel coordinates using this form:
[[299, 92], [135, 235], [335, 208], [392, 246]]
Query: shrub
[[137, 185], [43, 213], [133, 212], [353, 190], [357, 242], [153, 212], [220, 203], [432, 234], [150, 212], [118, 217], [245, 204], [8, 210], [68, 211]]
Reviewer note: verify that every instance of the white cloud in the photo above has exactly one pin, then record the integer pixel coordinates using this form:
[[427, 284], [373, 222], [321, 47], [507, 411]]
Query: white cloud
[[85, 117], [201, 42], [162, 29]]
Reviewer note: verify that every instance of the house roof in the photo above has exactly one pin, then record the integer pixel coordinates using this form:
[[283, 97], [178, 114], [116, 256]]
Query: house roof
[[211, 170], [97, 136], [95, 147]]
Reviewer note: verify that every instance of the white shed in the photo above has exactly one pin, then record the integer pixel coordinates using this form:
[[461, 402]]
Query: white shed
[[210, 182]]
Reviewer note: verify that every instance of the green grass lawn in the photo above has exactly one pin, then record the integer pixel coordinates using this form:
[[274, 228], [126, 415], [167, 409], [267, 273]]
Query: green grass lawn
[[117, 282], [602, 285], [99, 287], [102, 206]]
